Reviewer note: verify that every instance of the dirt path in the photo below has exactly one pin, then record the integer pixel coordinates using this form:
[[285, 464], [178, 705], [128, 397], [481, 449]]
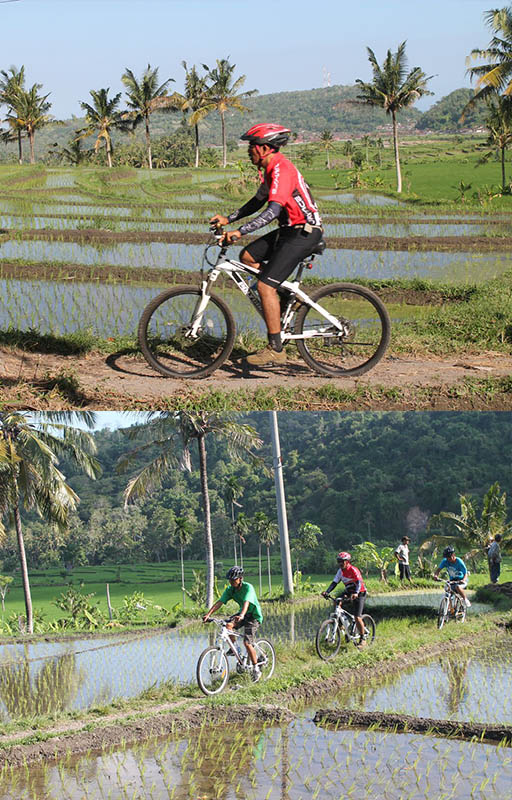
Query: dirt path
[[122, 381]]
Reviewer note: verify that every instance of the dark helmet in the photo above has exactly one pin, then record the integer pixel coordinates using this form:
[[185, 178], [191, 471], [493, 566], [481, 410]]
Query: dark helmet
[[267, 133], [343, 556], [448, 551], [234, 572]]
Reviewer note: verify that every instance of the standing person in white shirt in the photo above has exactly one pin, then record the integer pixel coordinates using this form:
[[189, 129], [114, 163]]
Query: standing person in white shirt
[[402, 556]]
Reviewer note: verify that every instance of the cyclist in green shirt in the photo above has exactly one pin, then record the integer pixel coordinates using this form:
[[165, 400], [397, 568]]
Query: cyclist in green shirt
[[249, 613]]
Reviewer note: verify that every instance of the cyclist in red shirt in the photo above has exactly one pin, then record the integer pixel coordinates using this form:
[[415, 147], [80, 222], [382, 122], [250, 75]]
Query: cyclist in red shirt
[[355, 589], [289, 201]]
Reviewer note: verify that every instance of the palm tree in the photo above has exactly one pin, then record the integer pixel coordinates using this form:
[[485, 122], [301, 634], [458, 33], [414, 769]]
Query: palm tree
[[144, 97], [232, 492], [473, 531], [327, 142], [29, 476], [196, 101], [241, 527], [183, 535], [11, 83], [222, 94], [499, 125], [267, 533], [496, 74], [30, 112], [172, 434], [102, 117], [393, 90]]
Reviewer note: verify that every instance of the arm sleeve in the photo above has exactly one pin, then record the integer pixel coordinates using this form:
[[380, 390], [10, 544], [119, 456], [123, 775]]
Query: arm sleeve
[[252, 205], [265, 218], [331, 587]]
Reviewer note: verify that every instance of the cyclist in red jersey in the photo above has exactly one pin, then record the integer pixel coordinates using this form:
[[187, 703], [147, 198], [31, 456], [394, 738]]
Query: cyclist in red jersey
[[355, 589], [289, 201]]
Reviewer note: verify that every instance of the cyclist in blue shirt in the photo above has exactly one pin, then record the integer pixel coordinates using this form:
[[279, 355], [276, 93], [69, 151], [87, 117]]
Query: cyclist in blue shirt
[[457, 572]]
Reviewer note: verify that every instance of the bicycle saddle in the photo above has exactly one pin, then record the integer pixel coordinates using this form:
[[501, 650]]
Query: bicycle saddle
[[319, 249]]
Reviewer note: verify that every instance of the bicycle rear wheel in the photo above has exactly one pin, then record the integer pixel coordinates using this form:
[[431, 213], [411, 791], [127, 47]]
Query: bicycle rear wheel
[[442, 615], [328, 639], [166, 339], [369, 631], [212, 671], [364, 334], [460, 610], [266, 658]]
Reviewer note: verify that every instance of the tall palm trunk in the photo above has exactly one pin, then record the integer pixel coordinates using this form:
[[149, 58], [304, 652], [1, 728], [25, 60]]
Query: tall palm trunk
[[503, 177], [224, 145], [208, 543], [268, 569], [397, 155], [148, 143], [182, 575], [109, 153], [24, 570], [259, 565], [32, 153], [196, 133], [20, 149]]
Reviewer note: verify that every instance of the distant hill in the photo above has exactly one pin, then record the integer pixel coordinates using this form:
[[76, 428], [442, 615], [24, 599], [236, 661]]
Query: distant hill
[[444, 116], [307, 113]]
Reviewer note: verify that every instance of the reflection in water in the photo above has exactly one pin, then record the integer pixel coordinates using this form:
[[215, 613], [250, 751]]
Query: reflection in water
[[297, 761], [44, 691], [457, 689]]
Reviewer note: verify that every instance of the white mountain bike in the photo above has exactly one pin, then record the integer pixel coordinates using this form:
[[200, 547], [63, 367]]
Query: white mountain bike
[[212, 671], [187, 332], [452, 606], [341, 626]]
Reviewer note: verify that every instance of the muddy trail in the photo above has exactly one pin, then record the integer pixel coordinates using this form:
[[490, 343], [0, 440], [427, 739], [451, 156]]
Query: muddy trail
[[124, 380]]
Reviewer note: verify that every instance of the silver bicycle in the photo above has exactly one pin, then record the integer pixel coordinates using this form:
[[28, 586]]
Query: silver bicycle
[[213, 670], [452, 606], [189, 332], [341, 625]]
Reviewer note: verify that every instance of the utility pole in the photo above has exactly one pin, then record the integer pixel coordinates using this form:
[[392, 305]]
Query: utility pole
[[286, 562]]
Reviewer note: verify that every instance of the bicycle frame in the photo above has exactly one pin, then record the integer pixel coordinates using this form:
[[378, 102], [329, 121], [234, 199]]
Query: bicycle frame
[[235, 270], [340, 614], [223, 639]]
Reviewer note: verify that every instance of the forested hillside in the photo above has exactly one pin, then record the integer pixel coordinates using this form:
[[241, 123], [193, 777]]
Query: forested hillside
[[445, 115], [358, 476], [307, 113]]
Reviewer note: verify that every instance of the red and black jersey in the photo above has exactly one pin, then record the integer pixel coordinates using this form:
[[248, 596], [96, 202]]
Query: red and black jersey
[[281, 182]]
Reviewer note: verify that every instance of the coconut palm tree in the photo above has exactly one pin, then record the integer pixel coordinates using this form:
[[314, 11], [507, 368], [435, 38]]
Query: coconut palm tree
[[12, 82], [499, 125], [267, 533], [393, 90], [172, 434], [29, 475], [195, 100], [145, 97], [496, 74], [223, 94], [473, 531], [182, 536], [102, 117], [30, 112], [232, 492], [327, 142]]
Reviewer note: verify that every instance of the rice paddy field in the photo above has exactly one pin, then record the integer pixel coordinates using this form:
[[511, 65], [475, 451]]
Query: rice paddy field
[[294, 758], [135, 232]]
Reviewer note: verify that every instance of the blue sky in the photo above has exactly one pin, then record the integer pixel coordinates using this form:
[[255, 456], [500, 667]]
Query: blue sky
[[73, 46]]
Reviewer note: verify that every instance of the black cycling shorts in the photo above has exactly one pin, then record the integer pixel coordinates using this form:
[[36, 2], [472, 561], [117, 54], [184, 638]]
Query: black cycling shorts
[[357, 604], [282, 249]]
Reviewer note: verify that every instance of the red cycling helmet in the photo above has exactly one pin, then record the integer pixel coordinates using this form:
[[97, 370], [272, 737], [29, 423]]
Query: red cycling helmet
[[343, 556], [267, 133]]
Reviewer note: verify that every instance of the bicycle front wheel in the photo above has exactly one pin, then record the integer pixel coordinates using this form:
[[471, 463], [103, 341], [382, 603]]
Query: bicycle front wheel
[[266, 658], [328, 640], [212, 671], [360, 342], [442, 615], [168, 341]]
